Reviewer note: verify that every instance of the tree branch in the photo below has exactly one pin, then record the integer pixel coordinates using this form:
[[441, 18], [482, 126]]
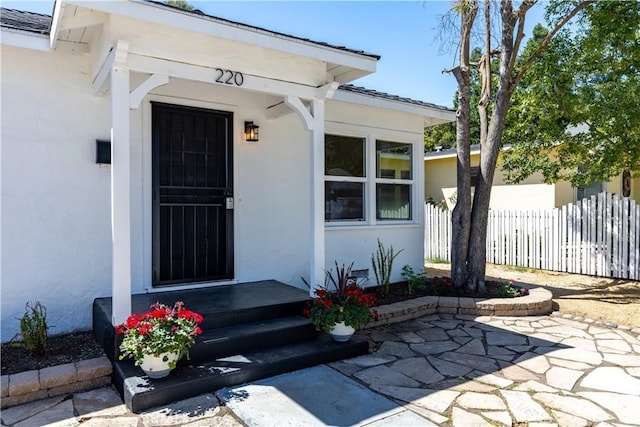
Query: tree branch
[[521, 13], [548, 39]]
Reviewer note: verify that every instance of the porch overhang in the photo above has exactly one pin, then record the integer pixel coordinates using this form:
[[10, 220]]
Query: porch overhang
[[80, 21], [114, 75]]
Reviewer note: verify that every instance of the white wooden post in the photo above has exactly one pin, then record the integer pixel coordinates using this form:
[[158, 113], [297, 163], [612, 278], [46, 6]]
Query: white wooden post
[[120, 193], [317, 195]]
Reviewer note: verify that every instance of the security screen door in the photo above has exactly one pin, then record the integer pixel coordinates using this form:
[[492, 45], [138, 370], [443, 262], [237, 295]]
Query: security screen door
[[192, 195]]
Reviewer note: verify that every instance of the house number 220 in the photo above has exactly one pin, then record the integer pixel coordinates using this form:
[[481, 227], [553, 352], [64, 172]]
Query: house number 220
[[229, 77]]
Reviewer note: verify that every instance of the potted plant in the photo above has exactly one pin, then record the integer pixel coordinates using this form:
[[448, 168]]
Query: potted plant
[[342, 309], [157, 339]]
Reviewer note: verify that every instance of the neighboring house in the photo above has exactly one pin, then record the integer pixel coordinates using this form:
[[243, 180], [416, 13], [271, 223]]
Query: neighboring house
[[130, 164], [531, 194]]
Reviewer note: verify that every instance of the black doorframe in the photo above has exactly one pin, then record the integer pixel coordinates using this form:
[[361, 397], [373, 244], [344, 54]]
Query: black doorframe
[[209, 262]]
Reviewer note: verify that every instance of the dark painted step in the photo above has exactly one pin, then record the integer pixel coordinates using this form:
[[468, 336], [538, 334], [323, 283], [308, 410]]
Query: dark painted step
[[220, 306], [236, 339], [141, 393]]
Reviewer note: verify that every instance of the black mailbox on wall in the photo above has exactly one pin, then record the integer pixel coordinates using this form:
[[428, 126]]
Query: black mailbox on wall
[[103, 152]]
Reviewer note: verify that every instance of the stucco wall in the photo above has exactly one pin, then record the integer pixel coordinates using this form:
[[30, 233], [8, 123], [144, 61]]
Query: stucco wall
[[55, 200]]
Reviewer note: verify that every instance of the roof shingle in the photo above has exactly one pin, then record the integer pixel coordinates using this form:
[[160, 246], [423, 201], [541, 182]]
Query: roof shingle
[[25, 21], [384, 95]]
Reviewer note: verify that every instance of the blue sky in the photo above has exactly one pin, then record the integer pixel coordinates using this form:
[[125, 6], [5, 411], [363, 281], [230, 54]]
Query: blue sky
[[403, 33]]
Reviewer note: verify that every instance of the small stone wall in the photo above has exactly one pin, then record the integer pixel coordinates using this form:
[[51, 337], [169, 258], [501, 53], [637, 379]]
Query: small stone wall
[[539, 301], [27, 386]]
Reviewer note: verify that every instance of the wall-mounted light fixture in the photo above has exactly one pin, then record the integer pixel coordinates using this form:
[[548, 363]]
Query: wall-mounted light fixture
[[251, 132], [103, 152]]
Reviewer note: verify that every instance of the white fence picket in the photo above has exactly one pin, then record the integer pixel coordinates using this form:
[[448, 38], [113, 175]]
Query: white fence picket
[[599, 236]]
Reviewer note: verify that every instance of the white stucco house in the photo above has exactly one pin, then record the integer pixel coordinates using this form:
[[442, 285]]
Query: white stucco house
[[188, 198]]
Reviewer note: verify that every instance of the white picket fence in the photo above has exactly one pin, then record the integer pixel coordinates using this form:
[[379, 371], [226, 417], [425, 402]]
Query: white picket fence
[[599, 236]]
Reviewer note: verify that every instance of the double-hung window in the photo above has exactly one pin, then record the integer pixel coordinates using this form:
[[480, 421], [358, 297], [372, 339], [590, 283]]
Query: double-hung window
[[349, 180], [345, 170], [394, 180]]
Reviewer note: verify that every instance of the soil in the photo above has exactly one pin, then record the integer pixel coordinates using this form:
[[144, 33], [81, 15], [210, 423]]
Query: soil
[[597, 298], [439, 285], [61, 349]]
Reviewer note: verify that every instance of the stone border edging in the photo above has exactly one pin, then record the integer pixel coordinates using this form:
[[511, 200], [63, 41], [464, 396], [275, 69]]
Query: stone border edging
[[599, 323], [37, 384], [538, 302]]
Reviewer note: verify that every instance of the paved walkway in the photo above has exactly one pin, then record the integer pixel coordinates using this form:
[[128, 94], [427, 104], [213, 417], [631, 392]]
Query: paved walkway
[[436, 370]]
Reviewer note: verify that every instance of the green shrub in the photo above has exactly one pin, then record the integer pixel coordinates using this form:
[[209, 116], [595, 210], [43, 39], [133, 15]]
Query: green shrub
[[382, 262], [33, 328], [415, 281]]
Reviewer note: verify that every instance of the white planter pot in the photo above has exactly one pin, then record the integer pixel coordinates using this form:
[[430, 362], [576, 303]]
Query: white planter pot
[[158, 366], [341, 332]]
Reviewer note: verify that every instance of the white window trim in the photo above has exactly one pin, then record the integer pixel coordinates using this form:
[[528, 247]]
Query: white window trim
[[410, 182], [365, 180], [370, 180]]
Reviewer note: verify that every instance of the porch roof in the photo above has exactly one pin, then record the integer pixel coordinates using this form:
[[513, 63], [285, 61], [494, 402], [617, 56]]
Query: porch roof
[[201, 14]]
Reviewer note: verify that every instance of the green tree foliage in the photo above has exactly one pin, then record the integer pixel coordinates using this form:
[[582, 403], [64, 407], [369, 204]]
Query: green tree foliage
[[182, 4], [443, 135], [575, 115]]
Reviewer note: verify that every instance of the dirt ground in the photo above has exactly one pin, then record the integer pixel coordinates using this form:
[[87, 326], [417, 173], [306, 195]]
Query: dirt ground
[[597, 298]]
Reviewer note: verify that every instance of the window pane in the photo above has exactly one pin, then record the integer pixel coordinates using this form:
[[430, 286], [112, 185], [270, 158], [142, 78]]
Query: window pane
[[344, 156], [393, 201], [344, 201], [393, 160], [474, 172]]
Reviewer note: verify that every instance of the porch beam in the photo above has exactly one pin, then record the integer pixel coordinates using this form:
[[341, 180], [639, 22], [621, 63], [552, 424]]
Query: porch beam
[[149, 65], [283, 108], [138, 94], [327, 91], [58, 10], [118, 54], [278, 110], [301, 110], [120, 187]]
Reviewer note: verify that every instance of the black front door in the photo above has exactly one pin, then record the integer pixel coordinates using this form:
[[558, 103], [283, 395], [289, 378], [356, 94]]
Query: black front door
[[192, 195]]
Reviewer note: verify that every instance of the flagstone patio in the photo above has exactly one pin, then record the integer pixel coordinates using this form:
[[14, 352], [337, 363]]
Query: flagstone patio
[[442, 369]]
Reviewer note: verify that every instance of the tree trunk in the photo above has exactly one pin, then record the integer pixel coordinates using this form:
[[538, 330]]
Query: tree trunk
[[461, 215], [489, 156]]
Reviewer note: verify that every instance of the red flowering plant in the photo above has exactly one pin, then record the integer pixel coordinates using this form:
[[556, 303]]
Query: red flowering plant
[[510, 290], [345, 302], [162, 329]]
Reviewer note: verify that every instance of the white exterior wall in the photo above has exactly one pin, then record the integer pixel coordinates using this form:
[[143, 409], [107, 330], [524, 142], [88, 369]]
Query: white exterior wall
[[56, 233]]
